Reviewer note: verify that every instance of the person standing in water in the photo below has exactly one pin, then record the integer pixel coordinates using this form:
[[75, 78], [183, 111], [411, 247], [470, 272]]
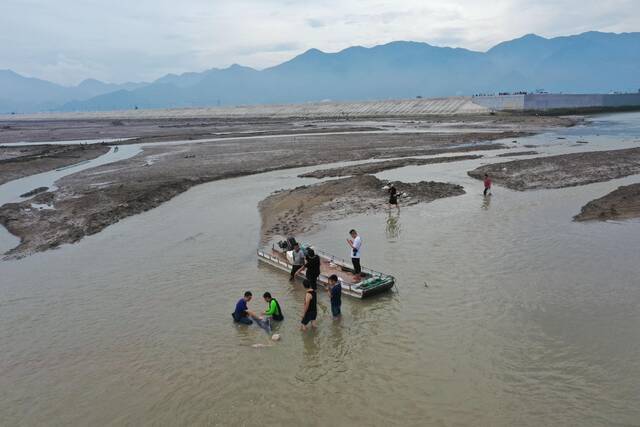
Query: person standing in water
[[335, 292], [298, 261], [310, 309], [356, 245], [487, 185], [313, 268], [393, 197]]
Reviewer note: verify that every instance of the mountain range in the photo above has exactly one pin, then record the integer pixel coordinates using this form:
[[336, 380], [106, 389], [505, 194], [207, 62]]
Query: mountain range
[[584, 63]]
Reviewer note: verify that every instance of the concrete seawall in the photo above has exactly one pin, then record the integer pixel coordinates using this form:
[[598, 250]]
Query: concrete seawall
[[550, 101], [386, 108]]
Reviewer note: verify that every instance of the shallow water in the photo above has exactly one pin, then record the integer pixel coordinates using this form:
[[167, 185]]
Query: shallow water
[[10, 192], [507, 313]]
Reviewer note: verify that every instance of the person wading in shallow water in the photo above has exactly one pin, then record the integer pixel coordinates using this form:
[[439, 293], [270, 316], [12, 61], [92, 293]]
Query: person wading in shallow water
[[313, 268], [487, 185], [355, 245], [310, 309], [298, 261], [393, 197], [335, 292]]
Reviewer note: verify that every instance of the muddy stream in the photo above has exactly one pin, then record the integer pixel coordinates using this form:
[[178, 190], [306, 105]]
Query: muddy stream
[[506, 312]]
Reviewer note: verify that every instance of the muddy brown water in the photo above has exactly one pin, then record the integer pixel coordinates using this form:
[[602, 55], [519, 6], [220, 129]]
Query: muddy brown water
[[527, 318]]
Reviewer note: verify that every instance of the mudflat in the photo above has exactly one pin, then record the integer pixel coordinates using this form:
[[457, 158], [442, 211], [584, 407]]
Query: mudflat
[[566, 170], [20, 161], [88, 201], [518, 153], [148, 126], [622, 203], [375, 167], [302, 209]]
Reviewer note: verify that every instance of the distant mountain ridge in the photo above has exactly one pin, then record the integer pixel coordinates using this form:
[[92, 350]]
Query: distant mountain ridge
[[28, 94], [588, 62]]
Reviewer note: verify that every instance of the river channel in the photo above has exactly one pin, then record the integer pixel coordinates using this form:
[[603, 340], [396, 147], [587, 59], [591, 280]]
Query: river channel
[[506, 312]]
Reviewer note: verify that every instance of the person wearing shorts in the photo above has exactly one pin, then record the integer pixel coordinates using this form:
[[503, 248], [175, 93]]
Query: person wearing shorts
[[310, 310]]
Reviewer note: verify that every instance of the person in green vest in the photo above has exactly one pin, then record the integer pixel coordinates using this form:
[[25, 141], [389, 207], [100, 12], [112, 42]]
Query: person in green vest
[[273, 310]]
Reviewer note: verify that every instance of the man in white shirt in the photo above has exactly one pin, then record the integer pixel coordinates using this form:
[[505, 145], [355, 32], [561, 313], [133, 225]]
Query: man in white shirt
[[355, 245], [298, 261]]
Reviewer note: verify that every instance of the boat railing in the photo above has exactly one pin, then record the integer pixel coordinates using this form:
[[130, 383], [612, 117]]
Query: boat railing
[[351, 288], [344, 262], [341, 260]]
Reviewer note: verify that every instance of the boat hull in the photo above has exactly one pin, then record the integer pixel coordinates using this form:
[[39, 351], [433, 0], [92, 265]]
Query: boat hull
[[374, 283]]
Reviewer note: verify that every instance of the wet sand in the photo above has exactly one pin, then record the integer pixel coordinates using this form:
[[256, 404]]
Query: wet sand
[[375, 167], [303, 209], [565, 170], [127, 125], [515, 327], [88, 201], [518, 153], [18, 162], [622, 203]]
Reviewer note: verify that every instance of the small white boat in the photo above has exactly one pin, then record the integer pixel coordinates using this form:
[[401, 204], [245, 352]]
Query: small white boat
[[371, 282]]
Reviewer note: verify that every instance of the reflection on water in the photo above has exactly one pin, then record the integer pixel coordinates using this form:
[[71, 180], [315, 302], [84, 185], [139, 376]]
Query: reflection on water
[[486, 202], [393, 227], [528, 317]]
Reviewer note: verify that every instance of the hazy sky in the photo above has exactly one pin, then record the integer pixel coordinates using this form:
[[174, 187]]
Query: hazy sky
[[132, 40]]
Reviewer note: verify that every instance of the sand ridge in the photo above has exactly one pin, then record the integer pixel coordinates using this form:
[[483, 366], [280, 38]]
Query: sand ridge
[[303, 209]]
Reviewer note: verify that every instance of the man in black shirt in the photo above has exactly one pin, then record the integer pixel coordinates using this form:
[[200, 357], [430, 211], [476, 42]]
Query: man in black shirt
[[313, 268]]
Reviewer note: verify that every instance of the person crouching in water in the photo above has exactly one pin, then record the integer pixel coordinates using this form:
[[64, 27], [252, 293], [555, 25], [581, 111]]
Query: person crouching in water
[[310, 309], [242, 313], [393, 197], [273, 310], [487, 185], [335, 292]]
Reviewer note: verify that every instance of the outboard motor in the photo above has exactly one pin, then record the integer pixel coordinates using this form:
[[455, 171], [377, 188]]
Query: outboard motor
[[287, 245]]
